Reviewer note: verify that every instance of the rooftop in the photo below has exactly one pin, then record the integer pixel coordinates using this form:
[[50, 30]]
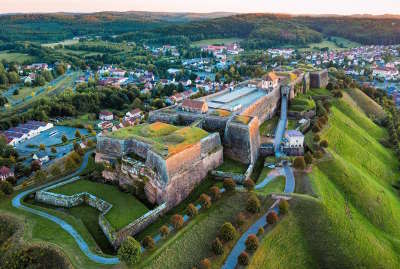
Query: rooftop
[[165, 139]]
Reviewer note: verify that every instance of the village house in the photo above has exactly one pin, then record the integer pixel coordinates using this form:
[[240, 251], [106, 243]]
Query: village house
[[294, 138], [270, 81], [5, 173], [134, 114], [106, 115], [196, 106]]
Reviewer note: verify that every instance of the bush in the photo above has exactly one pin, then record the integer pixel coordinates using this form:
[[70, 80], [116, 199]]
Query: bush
[[316, 128], [283, 207], [318, 154], [249, 184], [229, 184], [12, 180], [308, 158], [205, 200], [55, 170], [130, 251], [191, 210], [6, 187], [240, 219], [35, 166], [164, 230], [299, 163], [53, 150], [243, 258], [217, 247], [272, 217], [316, 138], [148, 242], [205, 264], [215, 193], [337, 94], [64, 139], [251, 243], [77, 134], [253, 204], [324, 144], [177, 221], [260, 231], [227, 231]]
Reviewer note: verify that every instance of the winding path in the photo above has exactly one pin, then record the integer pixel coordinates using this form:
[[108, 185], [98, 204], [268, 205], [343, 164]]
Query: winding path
[[16, 202]]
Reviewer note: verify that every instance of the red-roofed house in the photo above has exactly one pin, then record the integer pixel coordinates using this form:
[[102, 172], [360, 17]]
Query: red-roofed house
[[194, 106], [106, 115]]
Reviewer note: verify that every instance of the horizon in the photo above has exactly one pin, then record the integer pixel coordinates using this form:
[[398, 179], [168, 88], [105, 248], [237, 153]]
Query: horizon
[[302, 7]]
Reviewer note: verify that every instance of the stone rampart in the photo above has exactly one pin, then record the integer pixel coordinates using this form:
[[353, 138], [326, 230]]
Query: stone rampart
[[319, 79]]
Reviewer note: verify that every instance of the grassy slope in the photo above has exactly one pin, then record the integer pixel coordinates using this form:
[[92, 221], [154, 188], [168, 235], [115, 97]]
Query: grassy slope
[[369, 106], [126, 208], [355, 222]]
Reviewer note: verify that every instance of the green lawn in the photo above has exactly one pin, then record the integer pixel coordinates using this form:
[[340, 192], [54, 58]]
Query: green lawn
[[367, 105], [268, 127], [302, 103], [126, 208], [215, 41], [337, 43], [15, 57], [355, 222], [232, 166], [277, 185]]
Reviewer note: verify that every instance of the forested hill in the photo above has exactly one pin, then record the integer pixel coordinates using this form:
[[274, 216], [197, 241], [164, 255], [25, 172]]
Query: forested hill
[[256, 30]]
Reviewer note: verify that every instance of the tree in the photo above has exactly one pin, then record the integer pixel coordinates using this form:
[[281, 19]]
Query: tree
[[308, 157], [177, 221], [215, 193], [60, 69], [77, 134], [243, 258], [35, 166], [227, 231], [148, 242], [217, 247], [251, 243], [229, 184], [12, 180], [55, 170], [205, 200], [253, 204], [272, 217], [164, 230], [130, 251], [53, 150], [47, 75], [299, 163], [283, 207], [191, 210], [205, 264], [42, 147], [316, 138], [64, 139], [6, 187], [40, 176], [3, 79], [324, 143], [249, 184], [260, 231], [13, 77]]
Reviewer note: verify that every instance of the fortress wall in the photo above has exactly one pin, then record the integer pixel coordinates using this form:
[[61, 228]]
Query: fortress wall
[[138, 147], [215, 124], [187, 118], [158, 165], [109, 146], [265, 107], [183, 160], [210, 143], [159, 115]]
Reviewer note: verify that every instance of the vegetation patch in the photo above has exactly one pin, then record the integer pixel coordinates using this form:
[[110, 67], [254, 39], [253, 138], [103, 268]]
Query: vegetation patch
[[242, 119], [221, 113], [232, 166], [302, 103]]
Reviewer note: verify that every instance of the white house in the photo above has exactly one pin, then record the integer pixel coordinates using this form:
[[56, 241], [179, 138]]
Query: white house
[[295, 139], [106, 115]]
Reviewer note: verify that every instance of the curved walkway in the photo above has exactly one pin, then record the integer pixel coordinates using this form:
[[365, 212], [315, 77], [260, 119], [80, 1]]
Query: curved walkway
[[16, 202]]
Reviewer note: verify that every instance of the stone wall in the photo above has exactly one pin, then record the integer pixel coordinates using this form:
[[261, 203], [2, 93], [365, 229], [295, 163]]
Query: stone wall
[[301, 115], [267, 150], [293, 151], [319, 79]]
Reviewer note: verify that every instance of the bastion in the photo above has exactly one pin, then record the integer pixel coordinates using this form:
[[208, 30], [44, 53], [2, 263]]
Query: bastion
[[171, 160]]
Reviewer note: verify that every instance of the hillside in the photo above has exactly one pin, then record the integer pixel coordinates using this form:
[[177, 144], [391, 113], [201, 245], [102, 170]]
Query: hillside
[[354, 219]]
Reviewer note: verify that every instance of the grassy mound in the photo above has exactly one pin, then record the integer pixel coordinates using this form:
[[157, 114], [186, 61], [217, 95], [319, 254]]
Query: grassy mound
[[302, 103], [369, 106], [355, 222]]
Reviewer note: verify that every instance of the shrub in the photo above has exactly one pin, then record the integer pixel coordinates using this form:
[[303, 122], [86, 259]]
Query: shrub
[[148, 242], [272, 217], [77, 134], [227, 231], [205, 200], [249, 184], [191, 210], [215, 193], [177, 221], [12, 180], [316, 138], [164, 230], [229, 184], [55, 170], [324, 143], [253, 204], [260, 231], [42, 147], [6, 187], [283, 207], [316, 128], [53, 150], [205, 264], [251, 243], [130, 251], [64, 139], [240, 219], [217, 247], [308, 158], [243, 258], [299, 163], [35, 165], [337, 94], [318, 154]]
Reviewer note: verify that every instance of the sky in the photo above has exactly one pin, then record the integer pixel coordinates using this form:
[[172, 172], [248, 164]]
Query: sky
[[344, 7]]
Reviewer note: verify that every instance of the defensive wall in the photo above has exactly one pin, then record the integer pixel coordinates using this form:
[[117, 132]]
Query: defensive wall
[[319, 79]]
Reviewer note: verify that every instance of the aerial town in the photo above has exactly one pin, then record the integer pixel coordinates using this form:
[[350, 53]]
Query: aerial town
[[199, 140]]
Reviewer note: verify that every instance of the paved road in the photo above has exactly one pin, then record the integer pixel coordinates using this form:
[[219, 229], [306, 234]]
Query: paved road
[[280, 129], [16, 202]]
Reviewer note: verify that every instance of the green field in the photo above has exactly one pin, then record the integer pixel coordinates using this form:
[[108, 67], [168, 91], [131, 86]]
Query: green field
[[216, 41], [367, 105], [268, 127], [65, 42], [302, 103], [333, 44], [355, 222], [277, 185], [232, 166], [166, 139], [15, 57], [126, 208]]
